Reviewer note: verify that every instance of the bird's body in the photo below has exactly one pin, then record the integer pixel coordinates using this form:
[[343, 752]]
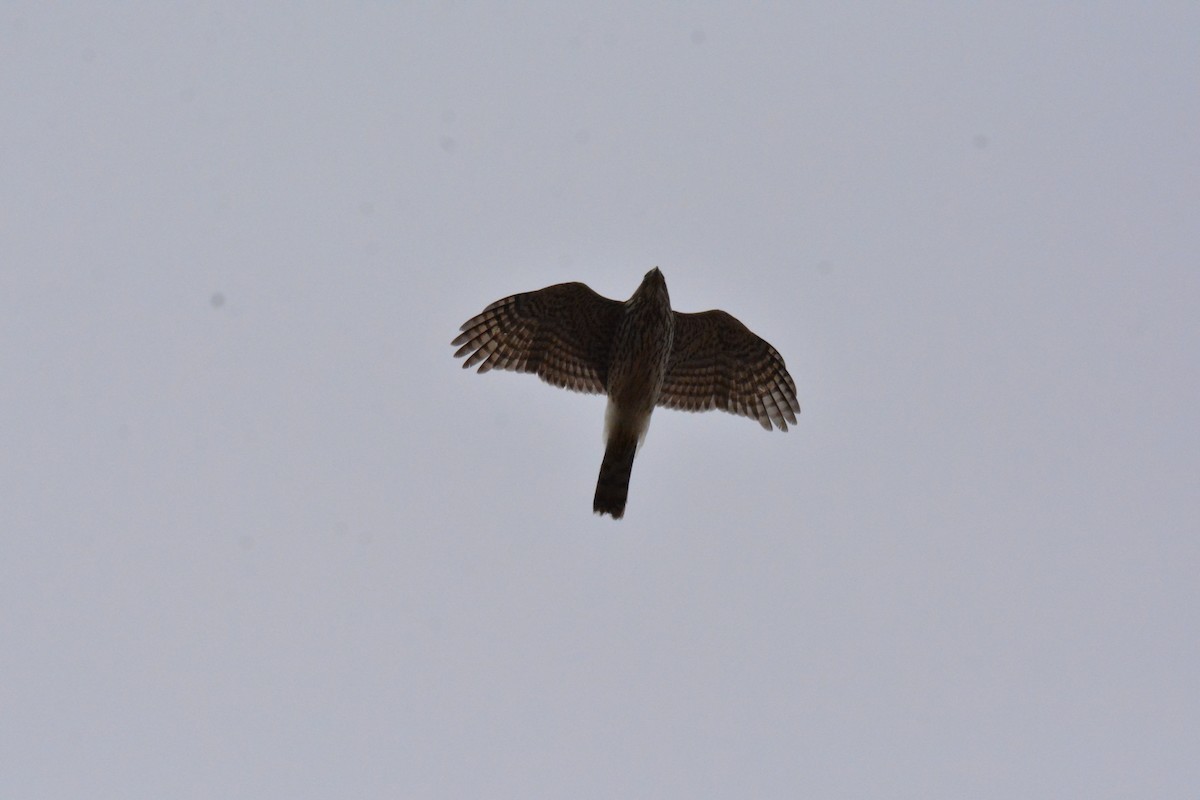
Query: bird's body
[[641, 354], [636, 371]]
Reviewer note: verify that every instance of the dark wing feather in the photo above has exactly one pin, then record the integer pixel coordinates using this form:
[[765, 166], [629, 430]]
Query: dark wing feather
[[717, 362], [563, 333]]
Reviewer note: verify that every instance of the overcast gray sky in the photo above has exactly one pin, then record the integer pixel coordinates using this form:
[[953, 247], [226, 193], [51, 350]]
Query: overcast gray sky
[[263, 538]]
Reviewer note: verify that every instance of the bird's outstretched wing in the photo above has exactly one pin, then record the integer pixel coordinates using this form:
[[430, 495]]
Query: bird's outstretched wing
[[717, 362], [563, 333]]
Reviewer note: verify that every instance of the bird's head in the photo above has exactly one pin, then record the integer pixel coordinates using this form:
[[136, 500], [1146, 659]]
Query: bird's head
[[654, 288]]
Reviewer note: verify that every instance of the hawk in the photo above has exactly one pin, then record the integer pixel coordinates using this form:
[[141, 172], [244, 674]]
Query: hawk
[[641, 354]]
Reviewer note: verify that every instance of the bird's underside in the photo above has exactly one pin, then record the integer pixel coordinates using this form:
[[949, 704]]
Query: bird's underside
[[641, 354]]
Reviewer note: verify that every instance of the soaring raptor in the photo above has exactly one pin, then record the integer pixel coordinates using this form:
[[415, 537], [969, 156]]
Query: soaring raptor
[[641, 354]]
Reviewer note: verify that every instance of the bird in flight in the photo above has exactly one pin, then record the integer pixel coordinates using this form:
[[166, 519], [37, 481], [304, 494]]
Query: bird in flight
[[641, 354]]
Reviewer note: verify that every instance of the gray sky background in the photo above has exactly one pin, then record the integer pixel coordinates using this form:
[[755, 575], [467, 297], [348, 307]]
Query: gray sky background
[[262, 537]]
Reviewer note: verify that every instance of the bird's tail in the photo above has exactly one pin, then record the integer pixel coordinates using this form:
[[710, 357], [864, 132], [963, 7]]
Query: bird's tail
[[612, 487]]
